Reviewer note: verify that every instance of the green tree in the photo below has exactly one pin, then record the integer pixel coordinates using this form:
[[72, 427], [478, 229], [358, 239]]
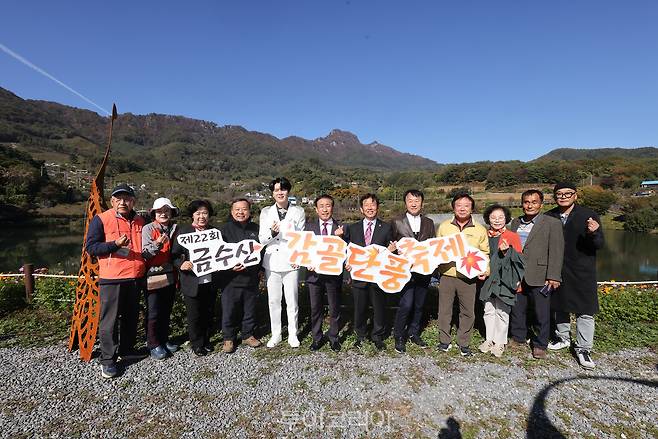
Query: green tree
[[596, 198], [643, 220]]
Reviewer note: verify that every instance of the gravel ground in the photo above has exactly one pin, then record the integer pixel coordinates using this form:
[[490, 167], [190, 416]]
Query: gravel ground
[[48, 392]]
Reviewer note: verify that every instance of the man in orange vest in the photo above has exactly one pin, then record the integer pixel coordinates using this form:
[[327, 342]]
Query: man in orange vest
[[115, 238]]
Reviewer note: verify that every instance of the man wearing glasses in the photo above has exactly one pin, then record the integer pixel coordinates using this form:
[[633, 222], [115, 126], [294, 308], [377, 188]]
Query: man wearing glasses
[[543, 250], [583, 236]]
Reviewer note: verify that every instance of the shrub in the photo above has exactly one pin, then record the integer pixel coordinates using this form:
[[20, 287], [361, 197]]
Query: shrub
[[643, 220], [458, 190], [12, 295], [627, 317], [54, 293], [596, 198], [637, 304]]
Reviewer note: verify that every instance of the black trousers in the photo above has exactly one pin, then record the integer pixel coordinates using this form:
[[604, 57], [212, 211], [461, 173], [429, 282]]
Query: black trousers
[[235, 300], [410, 310], [332, 287], [363, 296], [200, 315], [158, 315], [518, 317], [117, 328]]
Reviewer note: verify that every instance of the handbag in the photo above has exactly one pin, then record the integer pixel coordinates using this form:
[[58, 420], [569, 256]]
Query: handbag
[[157, 281]]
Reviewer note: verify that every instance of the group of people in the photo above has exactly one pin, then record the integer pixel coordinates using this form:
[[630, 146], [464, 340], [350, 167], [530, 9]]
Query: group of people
[[543, 260]]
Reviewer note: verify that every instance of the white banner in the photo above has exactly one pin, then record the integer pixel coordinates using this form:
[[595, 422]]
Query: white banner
[[427, 255], [374, 263], [209, 252], [324, 253]]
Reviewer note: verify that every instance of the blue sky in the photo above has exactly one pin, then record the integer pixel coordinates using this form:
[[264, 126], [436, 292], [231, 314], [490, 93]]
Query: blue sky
[[452, 81]]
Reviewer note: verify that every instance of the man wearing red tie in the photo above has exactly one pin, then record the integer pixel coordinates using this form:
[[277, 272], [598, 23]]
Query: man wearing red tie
[[319, 284], [370, 230]]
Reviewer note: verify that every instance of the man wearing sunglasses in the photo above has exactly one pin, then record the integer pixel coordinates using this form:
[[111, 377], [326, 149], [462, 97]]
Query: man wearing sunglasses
[[577, 294]]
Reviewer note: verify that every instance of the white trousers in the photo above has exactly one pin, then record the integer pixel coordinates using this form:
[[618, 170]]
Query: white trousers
[[496, 319], [278, 284]]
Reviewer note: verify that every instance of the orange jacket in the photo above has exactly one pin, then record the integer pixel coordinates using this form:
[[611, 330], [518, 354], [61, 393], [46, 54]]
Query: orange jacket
[[117, 265], [160, 255]]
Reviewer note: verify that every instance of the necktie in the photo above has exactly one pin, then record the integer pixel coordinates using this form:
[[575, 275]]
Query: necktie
[[368, 234], [282, 213], [324, 229]]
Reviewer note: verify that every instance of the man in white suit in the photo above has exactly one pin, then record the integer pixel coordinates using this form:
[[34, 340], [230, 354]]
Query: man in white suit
[[282, 278]]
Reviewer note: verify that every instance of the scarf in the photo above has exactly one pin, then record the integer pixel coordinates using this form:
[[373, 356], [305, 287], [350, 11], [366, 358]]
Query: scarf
[[493, 233]]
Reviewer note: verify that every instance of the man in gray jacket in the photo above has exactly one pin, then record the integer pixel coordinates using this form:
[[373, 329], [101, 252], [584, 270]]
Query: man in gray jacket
[[543, 250]]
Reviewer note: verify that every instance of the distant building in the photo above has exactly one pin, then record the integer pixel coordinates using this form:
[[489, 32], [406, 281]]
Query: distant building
[[649, 184], [255, 197]]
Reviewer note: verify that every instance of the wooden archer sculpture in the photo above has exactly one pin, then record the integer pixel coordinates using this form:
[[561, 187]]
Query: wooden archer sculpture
[[86, 311]]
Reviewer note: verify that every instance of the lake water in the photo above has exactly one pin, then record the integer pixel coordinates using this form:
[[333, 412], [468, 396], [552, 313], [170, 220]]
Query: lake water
[[626, 257]]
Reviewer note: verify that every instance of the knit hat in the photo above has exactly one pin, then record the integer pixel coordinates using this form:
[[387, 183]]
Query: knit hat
[[564, 185]]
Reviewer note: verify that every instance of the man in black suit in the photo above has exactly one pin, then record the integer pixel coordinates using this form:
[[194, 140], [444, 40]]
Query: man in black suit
[[370, 230], [412, 297], [319, 284]]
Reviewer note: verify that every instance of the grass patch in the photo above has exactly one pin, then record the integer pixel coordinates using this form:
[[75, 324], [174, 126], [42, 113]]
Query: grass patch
[[609, 223], [204, 374], [628, 318], [326, 380], [33, 327], [251, 382]]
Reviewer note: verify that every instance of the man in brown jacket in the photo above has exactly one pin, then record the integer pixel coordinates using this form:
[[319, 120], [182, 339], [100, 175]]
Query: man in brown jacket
[[543, 250]]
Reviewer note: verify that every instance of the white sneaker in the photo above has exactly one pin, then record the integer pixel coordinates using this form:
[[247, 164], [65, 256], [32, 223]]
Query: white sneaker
[[293, 342], [273, 341], [585, 360], [561, 344], [486, 346], [497, 350]]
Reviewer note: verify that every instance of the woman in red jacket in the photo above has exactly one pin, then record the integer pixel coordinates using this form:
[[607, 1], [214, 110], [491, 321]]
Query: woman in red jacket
[[160, 277]]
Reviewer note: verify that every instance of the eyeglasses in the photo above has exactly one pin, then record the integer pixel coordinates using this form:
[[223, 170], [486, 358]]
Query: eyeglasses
[[564, 195]]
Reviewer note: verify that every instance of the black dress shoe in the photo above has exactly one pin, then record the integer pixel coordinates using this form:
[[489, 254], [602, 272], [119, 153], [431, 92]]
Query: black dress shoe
[[335, 346], [418, 341], [200, 352], [400, 347], [316, 345], [380, 345]]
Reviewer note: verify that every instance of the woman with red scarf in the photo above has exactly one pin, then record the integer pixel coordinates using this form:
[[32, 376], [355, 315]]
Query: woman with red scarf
[[499, 290], [199, 293], [160, 277]]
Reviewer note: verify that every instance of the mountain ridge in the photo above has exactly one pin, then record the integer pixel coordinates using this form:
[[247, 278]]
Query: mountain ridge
[[599, 153], [45, 120]]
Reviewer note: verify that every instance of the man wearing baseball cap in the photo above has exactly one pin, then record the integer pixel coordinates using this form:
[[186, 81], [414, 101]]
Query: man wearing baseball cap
[[115, 238]]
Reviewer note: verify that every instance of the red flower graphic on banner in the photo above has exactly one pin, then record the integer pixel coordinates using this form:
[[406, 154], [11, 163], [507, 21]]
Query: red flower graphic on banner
[[471, 261]]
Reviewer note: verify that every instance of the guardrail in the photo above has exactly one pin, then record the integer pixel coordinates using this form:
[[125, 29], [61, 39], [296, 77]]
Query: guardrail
[[28, 276]]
